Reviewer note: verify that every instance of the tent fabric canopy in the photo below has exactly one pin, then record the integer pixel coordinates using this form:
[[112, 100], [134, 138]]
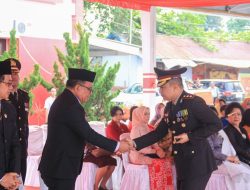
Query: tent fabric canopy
[[146, 4]]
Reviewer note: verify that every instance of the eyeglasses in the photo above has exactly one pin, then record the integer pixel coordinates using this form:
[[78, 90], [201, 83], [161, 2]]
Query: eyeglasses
[[9, 84], [234, 114], [89, 88]]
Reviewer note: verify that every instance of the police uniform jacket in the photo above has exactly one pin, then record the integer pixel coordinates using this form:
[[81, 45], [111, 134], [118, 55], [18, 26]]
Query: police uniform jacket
[[189, 115], [68, 130], [9, 143], [21, 103]]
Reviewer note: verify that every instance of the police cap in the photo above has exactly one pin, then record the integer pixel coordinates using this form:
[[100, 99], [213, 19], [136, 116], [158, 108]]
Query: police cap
[[163, 76], [81, 74]]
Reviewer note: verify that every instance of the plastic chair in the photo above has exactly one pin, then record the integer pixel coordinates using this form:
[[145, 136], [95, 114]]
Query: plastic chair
[[136, 177]]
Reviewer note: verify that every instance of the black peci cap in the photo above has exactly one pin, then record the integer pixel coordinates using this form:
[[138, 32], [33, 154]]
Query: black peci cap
[[5, 68], [81, 74], [165, 75]]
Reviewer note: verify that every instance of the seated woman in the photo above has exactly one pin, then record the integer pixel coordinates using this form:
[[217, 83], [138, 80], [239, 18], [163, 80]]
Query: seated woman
[[246, 121], [237, 174], [106, 165], [160, 169], [115, 128], [237, 134], [102, 158]]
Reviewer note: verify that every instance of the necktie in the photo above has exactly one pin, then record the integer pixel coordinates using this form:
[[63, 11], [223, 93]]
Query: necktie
[[15, 96]]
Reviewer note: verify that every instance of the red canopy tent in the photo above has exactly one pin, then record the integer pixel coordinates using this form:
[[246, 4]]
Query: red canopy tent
[[146, 4]]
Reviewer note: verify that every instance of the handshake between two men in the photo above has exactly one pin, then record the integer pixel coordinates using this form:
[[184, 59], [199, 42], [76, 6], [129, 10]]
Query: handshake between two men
[[125, 145], [128, 144]]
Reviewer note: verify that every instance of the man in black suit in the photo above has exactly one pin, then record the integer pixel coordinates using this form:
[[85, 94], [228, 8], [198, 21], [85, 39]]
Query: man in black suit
[[68, 131], [9, 143], [20, 99], [191, 122]]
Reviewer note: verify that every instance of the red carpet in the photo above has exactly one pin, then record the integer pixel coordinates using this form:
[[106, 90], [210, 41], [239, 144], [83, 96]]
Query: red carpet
[[32, 188]]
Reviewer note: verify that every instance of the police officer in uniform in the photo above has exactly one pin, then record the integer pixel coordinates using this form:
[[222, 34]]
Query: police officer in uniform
[[9, 143], [191, 122], [20, 99]]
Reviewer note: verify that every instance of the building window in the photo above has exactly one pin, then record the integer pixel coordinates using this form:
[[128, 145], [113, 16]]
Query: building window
[[2, 45]]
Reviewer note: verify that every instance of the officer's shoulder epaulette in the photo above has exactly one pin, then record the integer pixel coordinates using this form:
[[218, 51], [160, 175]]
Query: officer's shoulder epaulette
[[188, 96]]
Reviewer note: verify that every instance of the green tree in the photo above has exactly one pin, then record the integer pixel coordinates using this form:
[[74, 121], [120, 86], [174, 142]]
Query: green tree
[[58, 79], [113, 20], [77, 56], [11, 53], [34, 79], [237, 25], [184, 24]]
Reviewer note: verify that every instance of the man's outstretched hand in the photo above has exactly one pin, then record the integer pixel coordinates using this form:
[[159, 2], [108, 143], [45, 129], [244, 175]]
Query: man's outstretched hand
[[126, 145]]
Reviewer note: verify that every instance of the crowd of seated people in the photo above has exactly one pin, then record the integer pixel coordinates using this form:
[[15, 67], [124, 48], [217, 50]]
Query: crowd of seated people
[[231, 147], [236, 173]]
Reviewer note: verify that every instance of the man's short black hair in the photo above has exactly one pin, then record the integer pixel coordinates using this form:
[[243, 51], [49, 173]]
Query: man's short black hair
[[231, 106], [114, 110]]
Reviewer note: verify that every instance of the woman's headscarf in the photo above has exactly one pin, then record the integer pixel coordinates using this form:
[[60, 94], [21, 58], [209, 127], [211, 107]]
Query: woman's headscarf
[[139, 122]]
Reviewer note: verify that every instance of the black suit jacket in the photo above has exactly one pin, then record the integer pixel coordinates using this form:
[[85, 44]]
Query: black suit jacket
[[190, 115], [240, 143], [9, 143], [22, 109], [68, 130]]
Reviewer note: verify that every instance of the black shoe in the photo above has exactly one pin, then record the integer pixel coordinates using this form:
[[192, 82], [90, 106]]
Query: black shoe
[[102, 188]]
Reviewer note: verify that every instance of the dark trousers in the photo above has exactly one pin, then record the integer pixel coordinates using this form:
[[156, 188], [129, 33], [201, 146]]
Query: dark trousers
[[59, 184], [198, 183]]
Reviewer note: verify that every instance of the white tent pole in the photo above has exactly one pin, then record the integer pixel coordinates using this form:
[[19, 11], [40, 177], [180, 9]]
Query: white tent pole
[[148, 23]]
